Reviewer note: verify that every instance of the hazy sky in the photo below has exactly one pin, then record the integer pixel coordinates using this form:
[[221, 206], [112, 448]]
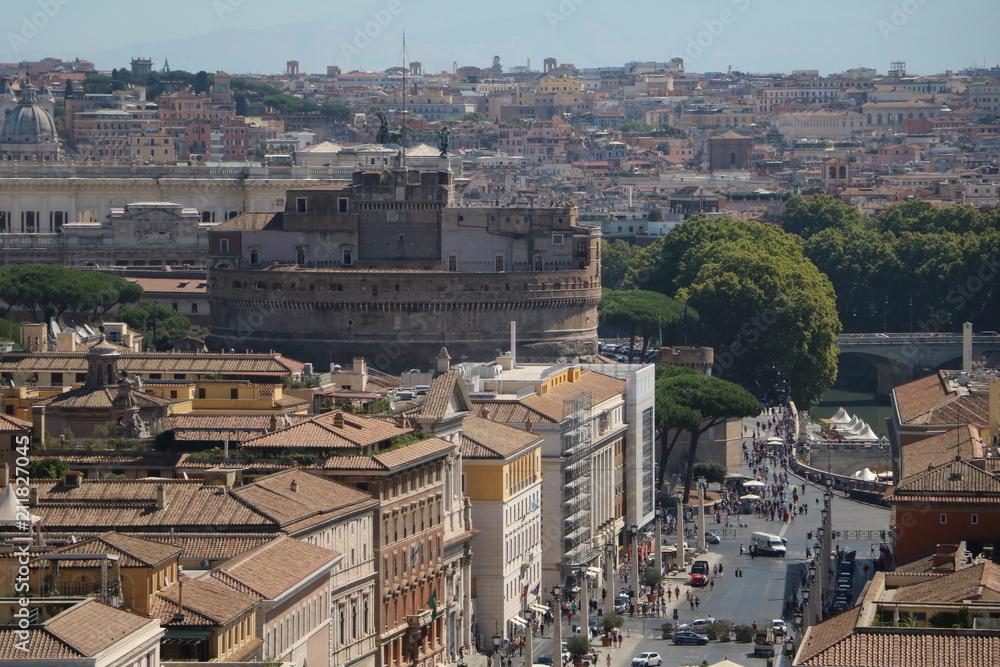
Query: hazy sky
[[241, 36]]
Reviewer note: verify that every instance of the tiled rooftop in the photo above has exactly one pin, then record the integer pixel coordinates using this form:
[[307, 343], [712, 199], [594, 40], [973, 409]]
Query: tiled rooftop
[[275, 567], [483, 438]]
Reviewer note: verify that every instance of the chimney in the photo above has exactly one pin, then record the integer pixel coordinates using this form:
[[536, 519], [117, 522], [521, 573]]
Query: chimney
[[293, 487], [33, 496], [161, 497], [967, 347], [484, 413], [443, 361], [272, 425], [338, 420], [179, 616], [4, 474], [38, 425], [527, 425]]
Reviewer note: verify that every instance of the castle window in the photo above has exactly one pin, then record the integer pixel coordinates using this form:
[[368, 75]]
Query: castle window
[[301, 204], [499, 263], [255, 255], [557, 239], [342, 205], [347, 256], [223, 245]]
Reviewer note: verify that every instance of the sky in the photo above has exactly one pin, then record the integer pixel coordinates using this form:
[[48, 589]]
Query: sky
[[259, 36]]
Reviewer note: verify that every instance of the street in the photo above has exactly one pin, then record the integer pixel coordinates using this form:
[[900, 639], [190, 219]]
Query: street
[[759, 595]]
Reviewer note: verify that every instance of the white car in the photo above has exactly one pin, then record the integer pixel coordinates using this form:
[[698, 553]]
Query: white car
[[647, 660], [699, 625], [779, 627]]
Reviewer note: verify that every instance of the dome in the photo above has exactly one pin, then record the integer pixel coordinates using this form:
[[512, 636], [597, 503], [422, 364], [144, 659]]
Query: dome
[[103, 348], [28, 122]]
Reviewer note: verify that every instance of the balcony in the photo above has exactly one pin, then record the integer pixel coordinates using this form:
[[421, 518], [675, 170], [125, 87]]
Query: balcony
[[419, 620]]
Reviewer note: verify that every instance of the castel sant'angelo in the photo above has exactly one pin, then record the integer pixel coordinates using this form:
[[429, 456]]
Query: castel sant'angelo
[[392, 266]]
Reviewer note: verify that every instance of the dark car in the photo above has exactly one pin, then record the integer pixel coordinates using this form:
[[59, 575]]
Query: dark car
[[688, 637]]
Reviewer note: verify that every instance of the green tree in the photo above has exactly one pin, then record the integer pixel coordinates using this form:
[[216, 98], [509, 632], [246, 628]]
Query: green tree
[[202, 84], [338, 112], [806, 217], [146, 316], [640, 312], [70, 91], [655, 214], [49, 291], [765, 308], [578, 646], [612, 620], [714, 473], [10, 331], [48, 468], [97, 84], [663, 147], [671, 416], [714, 400], [476, 117]]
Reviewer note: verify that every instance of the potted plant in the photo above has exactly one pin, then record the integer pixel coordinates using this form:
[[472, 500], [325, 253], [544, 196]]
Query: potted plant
[[611, 621], [724, 630], [652, 578], [744, 633], [578, 646], [666, 630]]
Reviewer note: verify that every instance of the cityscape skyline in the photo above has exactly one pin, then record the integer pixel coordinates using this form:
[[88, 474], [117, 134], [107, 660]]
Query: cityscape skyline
[[747, 35]]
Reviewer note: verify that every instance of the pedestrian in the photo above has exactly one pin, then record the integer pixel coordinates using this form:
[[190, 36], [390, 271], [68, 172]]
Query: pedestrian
[[692, 603], [711, 583], [697, 601], [754, 626], [741, 549], [872, 551], [720, 569], [677, 592]]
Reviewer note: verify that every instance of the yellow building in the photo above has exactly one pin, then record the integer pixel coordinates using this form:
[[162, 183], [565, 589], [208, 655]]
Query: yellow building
[[559, 84], [152, 144], [502, 466], [208, 397]]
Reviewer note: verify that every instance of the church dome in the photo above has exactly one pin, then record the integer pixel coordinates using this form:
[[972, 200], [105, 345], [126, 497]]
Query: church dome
[[28, 122]]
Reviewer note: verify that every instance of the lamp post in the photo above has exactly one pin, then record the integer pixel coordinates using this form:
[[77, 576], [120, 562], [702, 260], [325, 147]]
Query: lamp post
[[557, 629], [634, 567], [584, 603], [658, 553], [702, 487], [679, 532], [528, 632], [609, 562], [497, 642]]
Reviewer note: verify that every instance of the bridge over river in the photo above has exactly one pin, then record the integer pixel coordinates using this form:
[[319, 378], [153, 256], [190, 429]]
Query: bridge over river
[[902, 357]]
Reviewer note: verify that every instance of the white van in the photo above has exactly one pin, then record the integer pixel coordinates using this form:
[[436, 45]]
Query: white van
[[768, 545]]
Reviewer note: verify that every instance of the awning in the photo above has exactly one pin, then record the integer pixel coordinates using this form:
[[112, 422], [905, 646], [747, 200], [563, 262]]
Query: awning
[[540, 608], [517, 620], [179, 636]]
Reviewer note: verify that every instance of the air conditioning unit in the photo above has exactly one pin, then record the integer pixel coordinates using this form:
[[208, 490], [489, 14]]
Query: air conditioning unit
[[204, 562]]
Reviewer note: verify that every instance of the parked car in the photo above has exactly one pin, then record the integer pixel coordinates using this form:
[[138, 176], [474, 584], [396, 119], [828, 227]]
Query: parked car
[[711, 537], [647, 660], [689, 637], [779, 627], [622, 604]]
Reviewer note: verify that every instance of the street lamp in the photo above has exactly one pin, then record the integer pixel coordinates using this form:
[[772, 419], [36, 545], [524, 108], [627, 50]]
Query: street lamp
[[702, 487], [805, 595], [789, 647], [825, 512], [658, 553], [812, 570], [798, 618], [557, 630], [497, 642], [634, 566]]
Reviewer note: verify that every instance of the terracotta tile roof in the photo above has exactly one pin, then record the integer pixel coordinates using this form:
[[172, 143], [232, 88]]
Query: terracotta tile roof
[[10, 424], [273, 568], [916, 398], [43, 646], [101, 398], [253, 221], [955, 481], [391, 460], [446, 395], [132, 551], [155, 362], [965, 584], [329, 431], [235, 427], [553, 404], [906, 647], [208, 598], [186, 286], [936, 450], [107, 504], [510, 412], [822, 636], [965, 409], [209, 547], [82, 631], [377, 380], [482, 438], [274, 497]]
